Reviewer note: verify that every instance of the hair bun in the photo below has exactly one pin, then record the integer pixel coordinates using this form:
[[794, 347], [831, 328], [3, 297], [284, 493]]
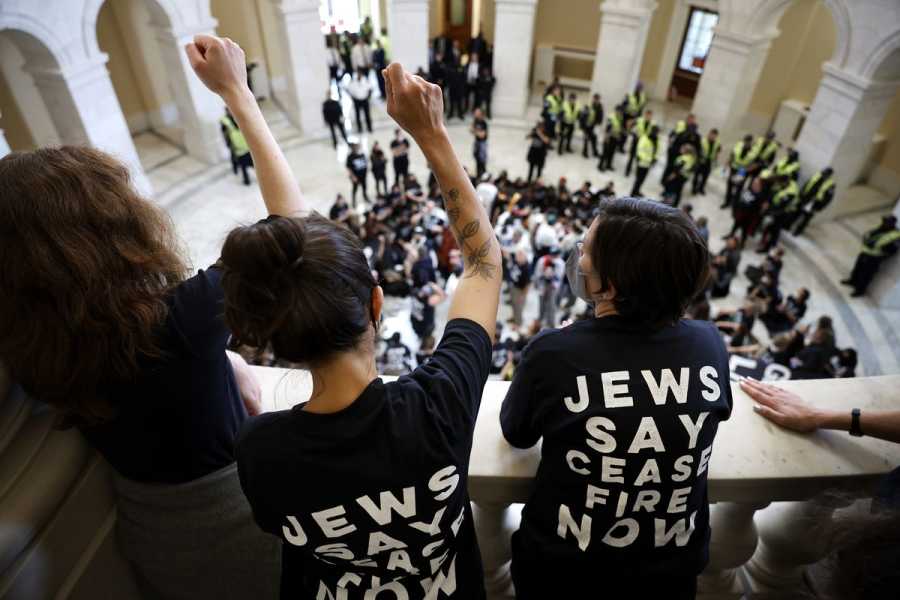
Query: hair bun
[[257, 258]]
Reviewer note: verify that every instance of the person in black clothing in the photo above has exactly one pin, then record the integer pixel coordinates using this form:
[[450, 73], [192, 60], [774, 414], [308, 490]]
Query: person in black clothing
[[334, 117], [588, 118], [357, 169], [479, 129], [537, 151], [400, 152], [877, 245], [379, 63], [365, 484], [747, 209], [456, 85], [814, 360], [627, 403], [379, 169], [339, 212], [485, 89], [782, 317]]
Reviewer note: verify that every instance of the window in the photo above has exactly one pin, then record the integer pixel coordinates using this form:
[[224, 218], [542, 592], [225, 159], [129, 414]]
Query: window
[[697, 40], [343, 15]]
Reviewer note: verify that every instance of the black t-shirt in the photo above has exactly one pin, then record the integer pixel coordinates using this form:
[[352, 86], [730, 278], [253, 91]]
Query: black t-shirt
[[178, 421], [480, 125], [400, 147], [377, 491], [628, 418], [357, 163]]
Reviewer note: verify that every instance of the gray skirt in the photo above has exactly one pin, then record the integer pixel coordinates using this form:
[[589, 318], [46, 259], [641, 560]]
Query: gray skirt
[[196, 540]]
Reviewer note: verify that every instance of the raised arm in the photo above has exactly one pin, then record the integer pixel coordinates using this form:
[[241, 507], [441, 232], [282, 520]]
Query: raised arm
[[418, 107], [219, 63]]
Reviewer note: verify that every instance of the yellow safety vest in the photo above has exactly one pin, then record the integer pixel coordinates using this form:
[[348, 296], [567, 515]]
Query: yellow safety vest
[[783, 167], [788, 194], [553, 104], [642, 126], [680, 126], [684, 163], [709, 151], [646, 151], [875, 243], [236, 137], [636, 103], [570, 112], [769, 150], [738, 159], [616, 123], [822, 189]]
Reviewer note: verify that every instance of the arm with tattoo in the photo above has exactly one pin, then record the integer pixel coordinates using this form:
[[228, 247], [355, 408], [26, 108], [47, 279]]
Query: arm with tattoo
[[418, 107]]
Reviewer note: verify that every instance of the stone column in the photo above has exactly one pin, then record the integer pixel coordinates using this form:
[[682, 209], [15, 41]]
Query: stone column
[[513, 40], [408, 32], [843, 118], [84, 109], [199, 110], [305, 63], [733, 542], [620, 48], [494, 526], [4, 146], [729, 77]]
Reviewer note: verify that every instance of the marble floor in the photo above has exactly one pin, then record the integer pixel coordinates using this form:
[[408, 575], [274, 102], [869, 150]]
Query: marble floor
[[205, 202]]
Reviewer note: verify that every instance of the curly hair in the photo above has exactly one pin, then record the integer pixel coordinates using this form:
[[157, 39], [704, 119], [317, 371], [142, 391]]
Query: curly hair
[[87, 263]]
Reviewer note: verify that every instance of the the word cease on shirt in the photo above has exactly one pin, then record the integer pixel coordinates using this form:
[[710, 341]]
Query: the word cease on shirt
[[661, 491]]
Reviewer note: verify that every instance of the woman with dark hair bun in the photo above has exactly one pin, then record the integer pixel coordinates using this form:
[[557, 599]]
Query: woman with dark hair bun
[[366, 482], [101, 320], [627, 404]]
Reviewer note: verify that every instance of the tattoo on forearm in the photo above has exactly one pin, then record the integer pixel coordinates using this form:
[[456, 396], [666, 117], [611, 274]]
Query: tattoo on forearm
[[476, 262]]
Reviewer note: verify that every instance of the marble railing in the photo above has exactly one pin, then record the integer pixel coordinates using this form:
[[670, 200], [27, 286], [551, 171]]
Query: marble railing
[[769, 517]]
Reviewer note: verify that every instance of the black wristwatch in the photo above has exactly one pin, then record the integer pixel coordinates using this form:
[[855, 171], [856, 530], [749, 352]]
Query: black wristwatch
[[854, 423]]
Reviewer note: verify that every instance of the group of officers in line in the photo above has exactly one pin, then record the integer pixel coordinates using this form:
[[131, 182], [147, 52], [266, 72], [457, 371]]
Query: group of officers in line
[[756, 176]]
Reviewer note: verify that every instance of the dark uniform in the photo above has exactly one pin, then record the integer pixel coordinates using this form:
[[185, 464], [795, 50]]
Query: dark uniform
[[877, 245], [334, 117], [588, 119], [615, 132], [815, 196], [568, 118], [709, 152]]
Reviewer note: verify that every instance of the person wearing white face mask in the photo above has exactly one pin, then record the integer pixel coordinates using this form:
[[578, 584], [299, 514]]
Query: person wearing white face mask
[[628, 405]]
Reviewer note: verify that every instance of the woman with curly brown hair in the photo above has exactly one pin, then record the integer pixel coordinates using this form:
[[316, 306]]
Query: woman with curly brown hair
[[101, 321]]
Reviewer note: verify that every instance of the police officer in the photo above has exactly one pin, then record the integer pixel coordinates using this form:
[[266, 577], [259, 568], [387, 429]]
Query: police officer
[[237, 146], [635, 102], [738, 168], [682, 169], [639, 128], [684, 132], [709, 155], [615, 131], [647, 147], [788, 165], [815, 196], [456, 84], [568, 118], [552, 108], [765, 148], [589, 117], [877, 245], [782, 211]]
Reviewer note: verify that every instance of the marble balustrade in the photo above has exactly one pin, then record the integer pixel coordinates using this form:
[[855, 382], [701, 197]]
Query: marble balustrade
[[769, 516]]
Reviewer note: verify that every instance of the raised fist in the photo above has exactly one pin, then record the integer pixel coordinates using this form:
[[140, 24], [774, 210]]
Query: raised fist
[[416, 105], [219, 63]]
